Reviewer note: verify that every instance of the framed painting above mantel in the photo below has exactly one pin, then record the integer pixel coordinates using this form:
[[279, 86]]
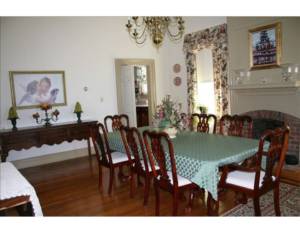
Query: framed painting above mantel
[[30, 89], [265, 46]]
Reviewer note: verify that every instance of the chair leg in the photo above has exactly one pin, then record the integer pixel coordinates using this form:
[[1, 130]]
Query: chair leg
[[212, 205], [276, 200], [191, 200], [131, 183], [157, 199], [256, 206], [122, 177], [138, 177], [111, 180], [175, 203], [100, 178], [146, 190]]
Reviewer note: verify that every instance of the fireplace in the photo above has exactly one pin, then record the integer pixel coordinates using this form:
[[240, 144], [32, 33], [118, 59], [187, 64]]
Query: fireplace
[[264, 119]]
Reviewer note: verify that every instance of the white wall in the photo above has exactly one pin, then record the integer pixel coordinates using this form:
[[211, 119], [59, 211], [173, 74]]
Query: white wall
[[85, 48], [287, 102]]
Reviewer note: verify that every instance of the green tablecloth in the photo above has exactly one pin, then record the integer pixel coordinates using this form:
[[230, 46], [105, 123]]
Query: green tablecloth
[[199, 155]]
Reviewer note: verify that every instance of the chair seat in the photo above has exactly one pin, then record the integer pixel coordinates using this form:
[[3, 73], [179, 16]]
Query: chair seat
[[244, 179], [182, 181], [118, 157], [149, 166]]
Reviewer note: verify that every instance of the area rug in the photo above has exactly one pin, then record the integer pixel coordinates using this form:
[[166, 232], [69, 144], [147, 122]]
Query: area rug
[[289, 203]]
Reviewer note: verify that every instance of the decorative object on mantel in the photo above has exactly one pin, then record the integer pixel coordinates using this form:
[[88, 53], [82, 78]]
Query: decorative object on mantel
[[167, 116], [176, 68], [53, 116], [156, 27], [13, 116], [265, 46], [290, 72], [177, 81], [29, 89], [78, 111], [241, 76]]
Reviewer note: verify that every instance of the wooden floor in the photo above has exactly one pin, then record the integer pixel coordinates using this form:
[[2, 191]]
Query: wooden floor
[[70, 188]]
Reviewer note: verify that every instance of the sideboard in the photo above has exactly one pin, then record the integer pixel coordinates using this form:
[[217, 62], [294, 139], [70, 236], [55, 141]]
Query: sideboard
[[36, 136]]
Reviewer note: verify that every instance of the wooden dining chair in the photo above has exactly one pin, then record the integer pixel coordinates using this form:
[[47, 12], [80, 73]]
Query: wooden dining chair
[[116, 121], [239, 126], [135, 150], [165, 179], [257, 180], [203, 124], [108, 159], [195, 118]]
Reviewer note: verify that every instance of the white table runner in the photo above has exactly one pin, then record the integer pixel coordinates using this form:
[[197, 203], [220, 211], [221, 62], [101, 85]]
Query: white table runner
[[13, 184]]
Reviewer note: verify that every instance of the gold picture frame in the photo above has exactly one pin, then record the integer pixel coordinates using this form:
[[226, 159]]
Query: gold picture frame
[[265, 46], [29, 89]]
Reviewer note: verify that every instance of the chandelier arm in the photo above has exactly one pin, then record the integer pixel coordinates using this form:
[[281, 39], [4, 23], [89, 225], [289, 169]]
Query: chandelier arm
[[139, 36], [141, 24], [179, 34]]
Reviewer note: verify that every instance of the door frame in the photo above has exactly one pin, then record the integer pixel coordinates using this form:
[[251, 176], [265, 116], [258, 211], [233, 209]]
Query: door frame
[[151, 82]]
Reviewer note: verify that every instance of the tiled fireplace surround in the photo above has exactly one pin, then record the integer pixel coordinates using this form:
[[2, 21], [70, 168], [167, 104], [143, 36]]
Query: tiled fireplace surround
[[291, 121]]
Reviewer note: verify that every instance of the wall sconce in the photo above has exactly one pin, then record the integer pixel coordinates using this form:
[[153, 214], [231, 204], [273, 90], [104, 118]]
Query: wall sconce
[[241, 76], [290, 72]]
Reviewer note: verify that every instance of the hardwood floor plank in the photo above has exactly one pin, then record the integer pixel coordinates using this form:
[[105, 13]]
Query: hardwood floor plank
[[70, 188]]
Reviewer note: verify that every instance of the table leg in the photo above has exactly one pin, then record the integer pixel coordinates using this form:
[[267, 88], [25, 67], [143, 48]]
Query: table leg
[[212, 206], [89, 148], [4, 155], [25, 209]]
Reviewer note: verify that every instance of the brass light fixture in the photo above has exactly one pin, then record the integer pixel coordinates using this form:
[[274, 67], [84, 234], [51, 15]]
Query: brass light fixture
[[156, 27]]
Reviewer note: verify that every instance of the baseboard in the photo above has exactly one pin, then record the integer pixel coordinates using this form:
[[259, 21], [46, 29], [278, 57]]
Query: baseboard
[[50, 158]]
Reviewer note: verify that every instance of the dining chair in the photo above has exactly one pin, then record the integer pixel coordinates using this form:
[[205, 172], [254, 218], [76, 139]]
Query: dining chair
[[203, 124], [135, 150], [240, 126], [108, 159], [264, 175], [194, 120], [158, 144], [116, 121]]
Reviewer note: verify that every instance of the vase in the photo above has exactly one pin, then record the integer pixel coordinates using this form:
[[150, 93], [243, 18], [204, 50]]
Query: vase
[[14, 123], [78, 114], [171, 131], [165, 123]]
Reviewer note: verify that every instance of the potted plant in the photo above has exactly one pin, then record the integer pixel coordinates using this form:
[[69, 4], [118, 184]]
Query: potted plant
[[13, 116], [78, 111], [167, 116]]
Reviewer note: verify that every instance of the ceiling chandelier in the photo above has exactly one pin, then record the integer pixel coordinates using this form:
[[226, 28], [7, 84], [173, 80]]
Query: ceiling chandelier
[[156, 27]]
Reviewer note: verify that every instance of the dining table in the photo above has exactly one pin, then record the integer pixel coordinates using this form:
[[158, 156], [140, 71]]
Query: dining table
[[199, 156]]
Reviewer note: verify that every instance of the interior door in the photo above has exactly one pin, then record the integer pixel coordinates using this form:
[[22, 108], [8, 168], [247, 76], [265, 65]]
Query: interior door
[[127, 103]]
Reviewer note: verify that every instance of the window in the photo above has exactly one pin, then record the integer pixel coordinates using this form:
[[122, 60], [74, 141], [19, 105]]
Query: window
[[206, 92]]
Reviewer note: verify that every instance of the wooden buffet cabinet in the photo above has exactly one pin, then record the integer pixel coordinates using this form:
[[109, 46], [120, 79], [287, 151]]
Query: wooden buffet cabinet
[[27, 137]]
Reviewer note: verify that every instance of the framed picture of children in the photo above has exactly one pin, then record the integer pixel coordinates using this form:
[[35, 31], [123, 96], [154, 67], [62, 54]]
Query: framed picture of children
[[265, 46], [29, 89]]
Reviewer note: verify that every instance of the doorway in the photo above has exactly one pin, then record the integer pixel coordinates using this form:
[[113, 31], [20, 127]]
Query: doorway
[[136, 93]]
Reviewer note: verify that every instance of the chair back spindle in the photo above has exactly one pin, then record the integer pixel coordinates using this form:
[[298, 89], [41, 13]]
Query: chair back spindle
[[101, 145], [156, 155], [239, 126], [117, 121], [275, 154], [134, 147], [203, 124]]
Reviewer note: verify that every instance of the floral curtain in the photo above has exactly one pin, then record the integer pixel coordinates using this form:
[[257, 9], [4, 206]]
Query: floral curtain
[[216, 39]]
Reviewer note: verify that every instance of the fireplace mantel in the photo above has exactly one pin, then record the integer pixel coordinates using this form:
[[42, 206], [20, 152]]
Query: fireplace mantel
[[261, 87]]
